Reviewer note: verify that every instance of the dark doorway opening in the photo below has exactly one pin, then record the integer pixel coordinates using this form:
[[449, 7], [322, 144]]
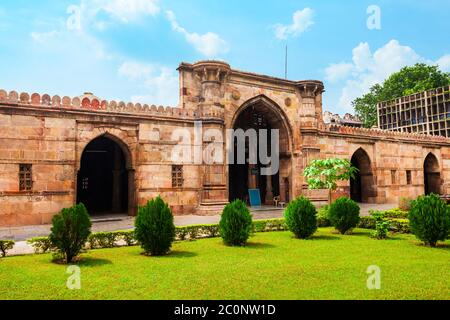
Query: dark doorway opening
[[103, 178], [362, 186], [432, 175], [243, 177]]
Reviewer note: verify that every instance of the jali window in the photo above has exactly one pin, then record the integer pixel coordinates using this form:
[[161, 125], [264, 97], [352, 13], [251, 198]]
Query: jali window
[[177, 176], [25, 177]]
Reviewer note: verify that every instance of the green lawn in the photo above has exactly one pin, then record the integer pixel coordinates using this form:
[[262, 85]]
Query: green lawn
[[272, 266]]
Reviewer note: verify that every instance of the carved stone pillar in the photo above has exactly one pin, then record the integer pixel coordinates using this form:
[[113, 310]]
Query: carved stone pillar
[[269, 190]]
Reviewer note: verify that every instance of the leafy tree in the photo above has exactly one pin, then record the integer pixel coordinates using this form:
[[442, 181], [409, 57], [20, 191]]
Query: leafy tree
[[70, 231], [235, 224], [325, 174], [408, 80], [155, 229]]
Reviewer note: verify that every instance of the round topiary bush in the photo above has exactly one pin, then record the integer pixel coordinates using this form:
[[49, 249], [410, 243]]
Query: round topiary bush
[[344, 214], [155, 229], [235, 224], [429, 219], [70, 231], [301, 218]]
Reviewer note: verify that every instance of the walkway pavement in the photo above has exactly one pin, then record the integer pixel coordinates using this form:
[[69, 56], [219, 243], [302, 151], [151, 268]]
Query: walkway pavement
[[21, 234]]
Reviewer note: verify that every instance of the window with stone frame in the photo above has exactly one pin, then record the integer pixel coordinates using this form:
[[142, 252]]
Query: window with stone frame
[[408, 177], [177, 176], [25, 177]]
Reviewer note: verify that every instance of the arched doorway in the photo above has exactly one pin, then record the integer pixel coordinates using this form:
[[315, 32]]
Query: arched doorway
[[103, 178], [362, 186], [432, 175], [261, 114]]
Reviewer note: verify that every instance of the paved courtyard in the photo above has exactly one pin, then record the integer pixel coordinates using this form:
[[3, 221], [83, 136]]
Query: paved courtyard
[[114, 223]]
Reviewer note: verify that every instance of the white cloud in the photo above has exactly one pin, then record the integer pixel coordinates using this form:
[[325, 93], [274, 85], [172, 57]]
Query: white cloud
[[209, 44], [157, 84], [338, 71], [444, 63], [123, 10], [43, 37], [367, 68], [302, 21]]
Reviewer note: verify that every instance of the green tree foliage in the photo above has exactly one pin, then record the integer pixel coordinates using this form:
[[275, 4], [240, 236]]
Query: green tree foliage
[[70, 231], [155, 229], [408, 80], [325, 174], [235, 224], [429, 219], [301, 218]]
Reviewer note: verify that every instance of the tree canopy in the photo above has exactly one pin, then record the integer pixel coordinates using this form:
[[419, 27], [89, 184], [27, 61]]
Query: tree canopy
[[408, 80]]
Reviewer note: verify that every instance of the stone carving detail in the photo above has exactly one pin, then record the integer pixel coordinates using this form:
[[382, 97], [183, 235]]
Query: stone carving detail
[[288, 102], [236, 95]]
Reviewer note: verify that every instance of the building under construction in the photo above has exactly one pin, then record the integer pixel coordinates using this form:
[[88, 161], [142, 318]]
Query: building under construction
[[427, 112]]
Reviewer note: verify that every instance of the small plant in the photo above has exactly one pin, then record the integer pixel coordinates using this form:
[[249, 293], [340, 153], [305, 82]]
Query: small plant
[[235, 224], [382, 225], [70, 231], [322, 217], [155, 230], [325, 174], [41, 245], [6, 245], [429, 219], [344, 214], [404, 204], [301, 218]]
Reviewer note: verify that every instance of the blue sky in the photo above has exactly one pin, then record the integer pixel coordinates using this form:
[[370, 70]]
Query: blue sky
[[129, 49]]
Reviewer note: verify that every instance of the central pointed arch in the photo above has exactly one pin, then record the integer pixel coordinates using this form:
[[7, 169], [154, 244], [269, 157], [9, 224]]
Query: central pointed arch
[[262, 113]]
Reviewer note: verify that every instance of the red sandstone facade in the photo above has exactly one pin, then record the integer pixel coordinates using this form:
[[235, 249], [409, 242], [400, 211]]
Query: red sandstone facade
[[68, 144]]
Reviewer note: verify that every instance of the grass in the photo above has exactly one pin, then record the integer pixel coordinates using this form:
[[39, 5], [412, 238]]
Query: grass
[[272, 266]]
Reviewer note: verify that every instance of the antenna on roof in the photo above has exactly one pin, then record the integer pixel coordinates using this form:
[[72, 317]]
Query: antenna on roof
[[286, 64]]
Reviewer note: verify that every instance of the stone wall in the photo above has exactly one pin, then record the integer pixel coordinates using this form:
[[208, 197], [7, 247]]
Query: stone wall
[[51, 133]]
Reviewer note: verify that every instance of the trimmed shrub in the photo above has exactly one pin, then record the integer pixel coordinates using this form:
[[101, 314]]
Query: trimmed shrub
[[42, 245], [270, 225], [6, 245], [301, 218], [155, 230], [344, 214], [70, 231], [322, 217], [404, 204], [429, 219], [101, 240], [235, 224], [367, 223], [396, 214], [381, 225]]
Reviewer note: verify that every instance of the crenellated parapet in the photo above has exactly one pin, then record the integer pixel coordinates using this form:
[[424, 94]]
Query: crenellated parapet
[[384, 134], [89, 102]]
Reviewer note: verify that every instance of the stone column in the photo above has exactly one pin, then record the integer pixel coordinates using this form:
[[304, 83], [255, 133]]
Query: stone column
[[116, 182], [269, 191], [251, 177]]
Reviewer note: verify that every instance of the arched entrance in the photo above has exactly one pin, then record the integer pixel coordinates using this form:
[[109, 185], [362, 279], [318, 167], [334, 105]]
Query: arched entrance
[[103, 179], [261, 114], [432, 175], [362, 186]]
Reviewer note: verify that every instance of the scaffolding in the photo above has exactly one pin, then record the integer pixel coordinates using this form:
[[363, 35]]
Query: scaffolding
[[426, 112]]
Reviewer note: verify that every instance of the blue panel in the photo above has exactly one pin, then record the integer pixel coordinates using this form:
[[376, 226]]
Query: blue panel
[[255, 197]]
